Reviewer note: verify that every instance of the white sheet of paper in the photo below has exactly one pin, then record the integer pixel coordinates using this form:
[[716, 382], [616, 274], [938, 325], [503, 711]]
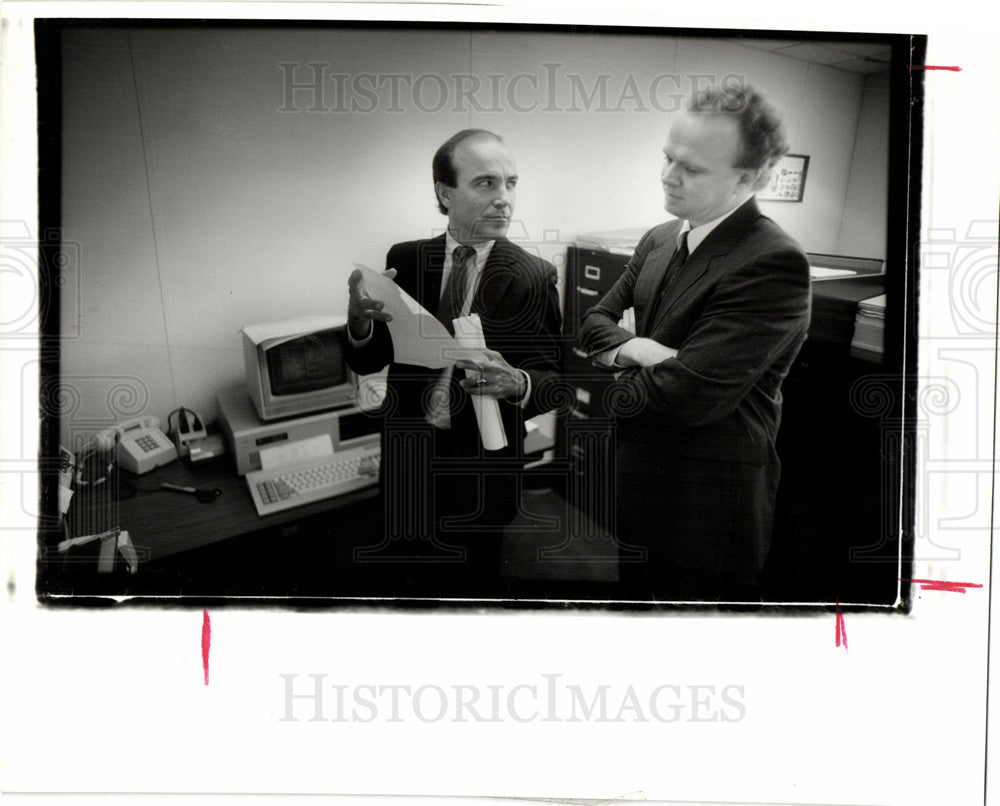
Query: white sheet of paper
[[823, 273], [65, 496], [298, 451], [417, 337]]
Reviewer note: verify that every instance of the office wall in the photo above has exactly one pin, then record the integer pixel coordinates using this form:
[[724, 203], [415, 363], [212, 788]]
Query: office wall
[[863, 229], [205, 193]]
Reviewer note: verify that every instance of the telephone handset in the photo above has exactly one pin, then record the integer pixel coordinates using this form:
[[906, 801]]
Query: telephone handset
[[139, 444]]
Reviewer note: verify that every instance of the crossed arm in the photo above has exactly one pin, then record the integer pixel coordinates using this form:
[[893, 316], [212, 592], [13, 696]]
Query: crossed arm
[[753, 316]]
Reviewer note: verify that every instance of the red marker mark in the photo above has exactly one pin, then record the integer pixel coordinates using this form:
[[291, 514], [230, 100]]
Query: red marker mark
[[942, 585], [206, 641], [841, 629], [954, 68]]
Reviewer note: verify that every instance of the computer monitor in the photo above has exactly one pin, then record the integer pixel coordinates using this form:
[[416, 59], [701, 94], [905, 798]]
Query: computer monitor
[[298, 366]]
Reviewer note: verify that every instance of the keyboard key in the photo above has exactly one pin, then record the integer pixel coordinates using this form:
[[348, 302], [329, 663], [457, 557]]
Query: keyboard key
[[314, 480]]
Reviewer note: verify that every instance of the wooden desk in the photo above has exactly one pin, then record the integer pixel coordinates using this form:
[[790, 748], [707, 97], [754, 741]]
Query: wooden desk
[[192, 550], [198, 552], [163, 523], [835, 308]]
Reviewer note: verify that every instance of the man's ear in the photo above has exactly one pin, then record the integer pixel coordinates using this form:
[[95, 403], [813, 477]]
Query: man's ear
[[753, 179], [443, 193], [750, 177]]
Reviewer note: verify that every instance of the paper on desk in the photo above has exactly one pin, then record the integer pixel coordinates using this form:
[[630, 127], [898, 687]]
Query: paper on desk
[[127, 550], [417, 337], [824, 273], [469, 333], [299, 450]]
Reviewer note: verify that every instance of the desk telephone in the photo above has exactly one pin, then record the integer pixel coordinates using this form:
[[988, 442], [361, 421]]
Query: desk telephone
[[141, 445]]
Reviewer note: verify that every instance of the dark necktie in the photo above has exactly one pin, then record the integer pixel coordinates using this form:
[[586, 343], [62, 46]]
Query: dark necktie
[[674, 267], [456, 288], [450, 307], [680, 256]]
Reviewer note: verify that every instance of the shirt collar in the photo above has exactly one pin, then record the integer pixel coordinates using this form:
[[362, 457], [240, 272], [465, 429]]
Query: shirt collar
[[482, 249], [698, 234]]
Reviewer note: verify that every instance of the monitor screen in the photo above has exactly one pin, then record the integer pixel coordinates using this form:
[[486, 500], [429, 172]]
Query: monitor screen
[[307, 363]]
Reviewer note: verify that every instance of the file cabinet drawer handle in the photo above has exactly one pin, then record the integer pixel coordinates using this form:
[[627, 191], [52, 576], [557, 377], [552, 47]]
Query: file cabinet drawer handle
[[588, 292]]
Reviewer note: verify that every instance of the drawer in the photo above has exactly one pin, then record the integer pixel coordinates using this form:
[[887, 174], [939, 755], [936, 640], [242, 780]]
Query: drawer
[[588, 381], [595, 270], [578, 300], [590, 274]]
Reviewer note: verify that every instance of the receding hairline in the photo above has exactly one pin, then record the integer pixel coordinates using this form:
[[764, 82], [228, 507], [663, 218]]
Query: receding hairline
[[473, 141], [479, 137]]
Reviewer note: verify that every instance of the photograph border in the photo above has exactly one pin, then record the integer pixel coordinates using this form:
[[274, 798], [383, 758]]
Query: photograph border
[[896, 379]]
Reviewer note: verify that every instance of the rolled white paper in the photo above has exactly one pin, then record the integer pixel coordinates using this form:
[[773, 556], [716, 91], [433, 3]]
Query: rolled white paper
[[469, 333]]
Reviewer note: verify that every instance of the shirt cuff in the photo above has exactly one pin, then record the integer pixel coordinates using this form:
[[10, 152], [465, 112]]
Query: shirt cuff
[[609, 358], [360, 342], [523, 402]]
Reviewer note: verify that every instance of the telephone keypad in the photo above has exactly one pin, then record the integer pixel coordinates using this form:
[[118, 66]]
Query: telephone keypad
[[147, 443]]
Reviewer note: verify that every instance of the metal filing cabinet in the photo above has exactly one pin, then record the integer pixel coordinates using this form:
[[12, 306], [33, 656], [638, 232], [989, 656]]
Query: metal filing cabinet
[[584, 433], [590, 273]]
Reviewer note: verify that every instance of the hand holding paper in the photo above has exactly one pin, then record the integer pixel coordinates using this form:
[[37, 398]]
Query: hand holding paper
[[469, 333], [493, 377], [362, 309], [417, 337], [420, 339]]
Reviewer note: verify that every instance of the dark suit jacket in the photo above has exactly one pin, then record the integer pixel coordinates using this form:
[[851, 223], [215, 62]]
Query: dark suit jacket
[[517, 302], [695, 434]]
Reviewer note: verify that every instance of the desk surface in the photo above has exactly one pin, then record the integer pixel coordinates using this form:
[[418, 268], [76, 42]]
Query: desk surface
[[308, 553], [835, 307], [164, 522]]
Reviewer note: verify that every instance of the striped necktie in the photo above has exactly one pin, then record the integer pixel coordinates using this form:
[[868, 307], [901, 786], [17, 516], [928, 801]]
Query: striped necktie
[[452, 305], [456, 289]]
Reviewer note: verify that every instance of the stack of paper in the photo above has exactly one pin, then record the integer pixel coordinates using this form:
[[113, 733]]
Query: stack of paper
[[824, 273], [621, 241], [869, 329]]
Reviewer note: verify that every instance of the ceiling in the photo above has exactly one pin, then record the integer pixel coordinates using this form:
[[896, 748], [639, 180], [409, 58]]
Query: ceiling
[[857, 57]]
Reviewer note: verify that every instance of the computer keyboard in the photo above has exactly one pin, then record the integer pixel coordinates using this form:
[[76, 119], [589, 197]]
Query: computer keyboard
[[314, 479]]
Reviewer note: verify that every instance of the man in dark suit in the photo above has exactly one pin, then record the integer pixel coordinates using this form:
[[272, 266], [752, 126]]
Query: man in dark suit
[[447, 497], [702, 328]]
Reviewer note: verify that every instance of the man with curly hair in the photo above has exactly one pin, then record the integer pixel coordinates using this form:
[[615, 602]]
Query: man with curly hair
[[700, 330]]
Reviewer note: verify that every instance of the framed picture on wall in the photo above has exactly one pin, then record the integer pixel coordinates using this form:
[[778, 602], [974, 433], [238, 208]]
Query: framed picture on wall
[[788, 180]]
